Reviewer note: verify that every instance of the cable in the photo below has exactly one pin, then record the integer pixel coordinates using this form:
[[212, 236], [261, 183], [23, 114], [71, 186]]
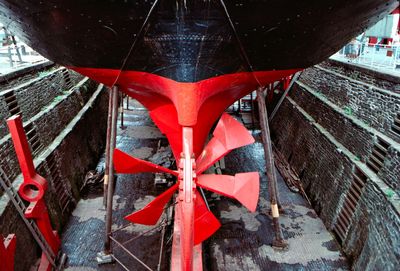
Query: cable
[[242, 50], [134, 42]]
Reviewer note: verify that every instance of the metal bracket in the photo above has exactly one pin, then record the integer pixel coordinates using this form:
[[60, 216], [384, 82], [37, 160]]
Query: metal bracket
[[104, 258]]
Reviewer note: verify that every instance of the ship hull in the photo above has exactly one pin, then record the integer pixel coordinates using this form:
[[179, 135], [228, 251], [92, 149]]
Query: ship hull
[[186, 61], [190, 41]]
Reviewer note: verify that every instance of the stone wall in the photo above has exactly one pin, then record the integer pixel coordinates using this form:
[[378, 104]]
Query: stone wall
[[327, 130], [350, 131], [47, 123], [28, 97], [373, 100], [71, 128]]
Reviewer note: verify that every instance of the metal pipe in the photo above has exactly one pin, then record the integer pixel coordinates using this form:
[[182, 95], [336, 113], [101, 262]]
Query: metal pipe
[[10, 56], [270, 168], [107, 158], [252, 111], [110, 192], [161, 248], [130, 253], [121, 108], [16, 48], [294, 79], [120, 263]]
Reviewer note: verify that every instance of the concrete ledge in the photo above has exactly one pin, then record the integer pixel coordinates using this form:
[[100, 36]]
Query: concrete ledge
[[25, 70], [379, 74]]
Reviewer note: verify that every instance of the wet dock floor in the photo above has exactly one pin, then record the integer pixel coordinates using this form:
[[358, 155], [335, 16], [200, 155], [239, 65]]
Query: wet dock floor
[[242, 243]]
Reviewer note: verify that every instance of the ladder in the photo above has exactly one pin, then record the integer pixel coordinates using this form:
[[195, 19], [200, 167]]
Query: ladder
[[31, 224]]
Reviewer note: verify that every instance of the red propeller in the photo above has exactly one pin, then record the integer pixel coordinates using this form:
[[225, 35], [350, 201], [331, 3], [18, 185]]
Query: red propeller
[[228, 135], [152, 212], [243, 187], [124, 163]]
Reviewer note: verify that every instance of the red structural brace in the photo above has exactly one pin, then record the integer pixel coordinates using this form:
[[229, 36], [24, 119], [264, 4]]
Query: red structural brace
[[7, 252], [33, 189]]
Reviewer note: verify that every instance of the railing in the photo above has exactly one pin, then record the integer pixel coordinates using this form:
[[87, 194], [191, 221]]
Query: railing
[[14, 57], [384, 57]]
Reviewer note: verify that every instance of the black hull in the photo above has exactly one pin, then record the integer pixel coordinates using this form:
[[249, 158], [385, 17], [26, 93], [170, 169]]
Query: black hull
[[189, 41]]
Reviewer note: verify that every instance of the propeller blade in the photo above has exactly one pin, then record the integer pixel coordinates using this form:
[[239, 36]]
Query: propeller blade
[[243, 187], [205, 223], [152, 212], [229, 134], [166, 119], [124, 163]]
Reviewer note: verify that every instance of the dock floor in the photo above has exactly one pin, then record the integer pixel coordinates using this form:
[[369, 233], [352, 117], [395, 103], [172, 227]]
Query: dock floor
[[242, 243]]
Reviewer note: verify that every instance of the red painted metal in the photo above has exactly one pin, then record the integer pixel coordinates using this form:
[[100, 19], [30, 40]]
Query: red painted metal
[[286, 82], [196, 221], [37, 210], [34, 185], [185, 113], [152, 212], [197, 105], [228, 135], [243, 187], [176, 247], [205, 223], [186, 199], [124, 163], [7, 252], [33, 189]]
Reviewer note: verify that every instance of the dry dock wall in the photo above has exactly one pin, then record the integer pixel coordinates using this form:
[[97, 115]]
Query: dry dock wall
[[65, 115], [336, 128]]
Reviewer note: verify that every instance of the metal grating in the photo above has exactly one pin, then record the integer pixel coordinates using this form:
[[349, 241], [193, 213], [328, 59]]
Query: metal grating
[[12, 103], [60, 187], [348, 209], [33, 138], [67, 79], [376, 160], [396, 125]]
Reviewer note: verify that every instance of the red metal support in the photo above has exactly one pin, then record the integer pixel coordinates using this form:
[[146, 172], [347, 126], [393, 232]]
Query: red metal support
[[34, 185], [7, 252], [33, 189], [186, 199]]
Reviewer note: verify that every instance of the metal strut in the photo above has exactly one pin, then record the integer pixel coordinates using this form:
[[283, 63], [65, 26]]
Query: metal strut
[[107, 154], [32, 189], [106, 255], [294, 80], [31, 224], [278, 241], [186, 200]]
